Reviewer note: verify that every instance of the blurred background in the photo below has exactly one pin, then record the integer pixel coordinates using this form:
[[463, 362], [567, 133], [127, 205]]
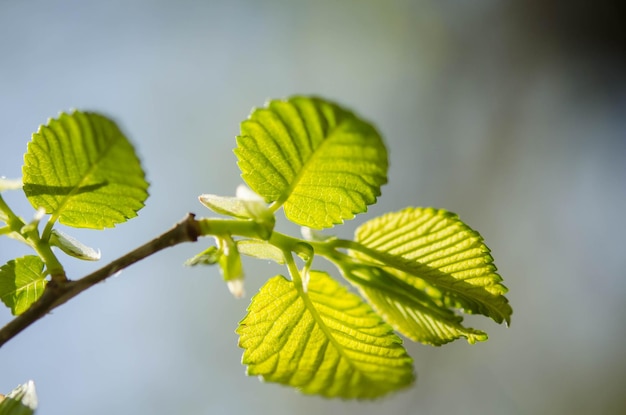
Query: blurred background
[[511, 114]]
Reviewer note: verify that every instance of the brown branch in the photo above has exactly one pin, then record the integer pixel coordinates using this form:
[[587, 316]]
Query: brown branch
[[55, 293]]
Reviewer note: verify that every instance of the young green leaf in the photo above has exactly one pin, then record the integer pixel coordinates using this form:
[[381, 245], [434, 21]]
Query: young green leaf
[[209, 256], [247, 205], [22, 282], [225, 205], [326, 341], [410, 311], [261, 250], [434, 251], [83, 171], [318, 160], [20, 401]]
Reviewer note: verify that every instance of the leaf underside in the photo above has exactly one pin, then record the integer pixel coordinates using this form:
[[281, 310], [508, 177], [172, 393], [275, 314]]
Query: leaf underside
[[326, 341], [430, 262], [318, 160], [410, 311], [82, 170], [21, 283]]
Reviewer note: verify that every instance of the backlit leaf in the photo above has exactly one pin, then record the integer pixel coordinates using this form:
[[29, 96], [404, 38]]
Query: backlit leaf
[[21, 283], [261, 250], [319, 161], [82, 170], [209, 256], [225, 205], [326, 341], [434, 251], [410, 311]]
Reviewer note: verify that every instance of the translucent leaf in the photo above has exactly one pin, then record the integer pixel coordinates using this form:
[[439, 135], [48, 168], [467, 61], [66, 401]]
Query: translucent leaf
[[260, 249], [225, 205], [409, 310], [21, 283], [318, 160], [434, 251], [82, 170], [209, 256], [20, 401], [247, 205], [327, 342]]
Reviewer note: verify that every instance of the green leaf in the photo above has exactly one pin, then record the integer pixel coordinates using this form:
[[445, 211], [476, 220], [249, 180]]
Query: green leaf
[[319, 161], [261, 250], [326, 341], [22, 282], [20, 401], [83, 171], [410, 311], [432, 250], [225, 205], [209, 256]]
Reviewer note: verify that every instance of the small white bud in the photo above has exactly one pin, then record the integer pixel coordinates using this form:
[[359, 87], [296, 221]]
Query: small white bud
[[243, 192], [10, 184], [236, 287], [39, 214], [73, 247], [27, 396], [313, 235]]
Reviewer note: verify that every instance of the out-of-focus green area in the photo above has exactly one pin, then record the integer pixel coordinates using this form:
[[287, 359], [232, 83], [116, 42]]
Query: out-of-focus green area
[[511, 114]]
